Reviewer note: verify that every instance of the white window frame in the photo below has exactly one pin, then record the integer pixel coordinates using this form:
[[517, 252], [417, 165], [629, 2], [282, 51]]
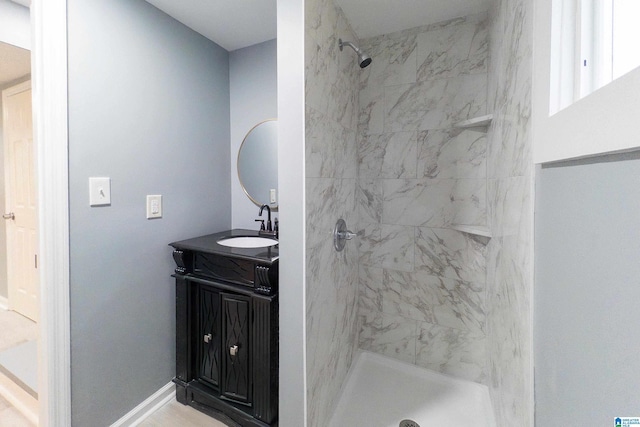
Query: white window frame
[[581, 57]]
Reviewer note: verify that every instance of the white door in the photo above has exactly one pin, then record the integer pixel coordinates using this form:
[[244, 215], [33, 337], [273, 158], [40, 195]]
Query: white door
[[21, 216]]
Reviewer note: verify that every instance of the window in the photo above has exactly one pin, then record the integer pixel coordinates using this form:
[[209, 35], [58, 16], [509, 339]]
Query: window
[[594, 42]]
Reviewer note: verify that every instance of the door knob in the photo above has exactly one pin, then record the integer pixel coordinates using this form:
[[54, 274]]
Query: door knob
[[233, 350], [10, 215]]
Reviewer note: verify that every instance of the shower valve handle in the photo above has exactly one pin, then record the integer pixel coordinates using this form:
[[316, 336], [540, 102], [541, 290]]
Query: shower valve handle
[[341, 235], [347, 235]]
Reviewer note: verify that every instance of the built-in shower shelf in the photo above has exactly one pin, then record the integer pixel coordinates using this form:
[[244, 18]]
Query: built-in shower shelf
[[476, 230], [476, 122]]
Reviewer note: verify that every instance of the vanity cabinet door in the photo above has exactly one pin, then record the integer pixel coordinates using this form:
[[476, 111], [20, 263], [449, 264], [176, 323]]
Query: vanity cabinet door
[[235, 381], [209, 337]]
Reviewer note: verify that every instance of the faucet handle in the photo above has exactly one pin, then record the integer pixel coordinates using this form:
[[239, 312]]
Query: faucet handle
[[261, 225]]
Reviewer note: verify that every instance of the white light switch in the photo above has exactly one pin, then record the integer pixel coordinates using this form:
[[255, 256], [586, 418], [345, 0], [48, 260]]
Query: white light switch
[[272, 195], [99, 191], [154, 206]]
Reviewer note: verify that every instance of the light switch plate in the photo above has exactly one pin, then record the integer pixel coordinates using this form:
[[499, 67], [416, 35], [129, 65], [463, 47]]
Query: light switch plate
[[154, 206], [99, 191], [272, 195]]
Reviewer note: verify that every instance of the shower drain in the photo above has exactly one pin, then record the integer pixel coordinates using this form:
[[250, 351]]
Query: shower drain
[[408, 423]]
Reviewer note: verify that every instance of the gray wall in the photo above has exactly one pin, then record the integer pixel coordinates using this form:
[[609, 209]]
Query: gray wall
[[587, 291], [148, 107], [254, 98]]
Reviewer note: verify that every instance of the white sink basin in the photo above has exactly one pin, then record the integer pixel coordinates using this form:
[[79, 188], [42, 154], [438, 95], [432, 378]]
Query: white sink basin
[[247, 242]]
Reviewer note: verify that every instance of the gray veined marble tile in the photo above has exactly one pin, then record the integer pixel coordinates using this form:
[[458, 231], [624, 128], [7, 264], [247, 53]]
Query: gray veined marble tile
[[392, 48], [509, 205], [509, 408], [434, 104], [452, 351], [321, 73], [371, 285], [452, 51], [391, 155], [509, 149], [434, 202], [394, 62], [332, 113], [371, 111], [509, 320], [452, 153], [450, 253], [331, 306], [330, 148], [417, 202], [329, 348], [438, 300], [387, 246], [402, 295], [389, 335], [369, 200], [469, 202], [321, 20], [344, 101], [328, 200], [509, 267]]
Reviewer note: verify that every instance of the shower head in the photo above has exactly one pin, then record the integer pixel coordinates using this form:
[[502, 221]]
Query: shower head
[[363, 58]]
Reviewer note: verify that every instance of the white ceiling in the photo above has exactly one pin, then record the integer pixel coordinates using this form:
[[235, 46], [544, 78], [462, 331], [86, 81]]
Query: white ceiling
[[14, 63], [232, 24], [370, 18], [26, 3], [236, 24]]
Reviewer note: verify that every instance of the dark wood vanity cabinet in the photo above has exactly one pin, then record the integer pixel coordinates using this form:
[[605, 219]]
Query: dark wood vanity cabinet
[[227, 333]]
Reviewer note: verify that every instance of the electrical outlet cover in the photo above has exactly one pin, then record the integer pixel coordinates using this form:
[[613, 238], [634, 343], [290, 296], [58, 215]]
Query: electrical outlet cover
[[154, 206]]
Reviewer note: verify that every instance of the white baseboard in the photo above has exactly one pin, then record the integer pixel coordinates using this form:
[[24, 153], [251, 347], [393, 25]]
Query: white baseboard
[[4, 303], [148, 407]]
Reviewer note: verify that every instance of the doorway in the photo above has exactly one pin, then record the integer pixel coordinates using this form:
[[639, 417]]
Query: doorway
[[18, 239]]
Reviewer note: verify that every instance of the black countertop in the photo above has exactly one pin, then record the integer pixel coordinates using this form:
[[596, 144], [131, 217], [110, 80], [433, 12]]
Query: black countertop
[[209, 244]]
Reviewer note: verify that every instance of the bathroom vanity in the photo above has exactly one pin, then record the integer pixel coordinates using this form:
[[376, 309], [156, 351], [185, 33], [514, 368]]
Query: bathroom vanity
[[227, 329]]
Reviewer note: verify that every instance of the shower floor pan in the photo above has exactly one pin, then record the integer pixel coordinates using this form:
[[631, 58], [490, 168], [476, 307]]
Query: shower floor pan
[[382, 392]]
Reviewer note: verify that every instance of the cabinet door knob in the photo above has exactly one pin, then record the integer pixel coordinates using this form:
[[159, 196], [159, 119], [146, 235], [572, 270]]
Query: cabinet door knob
[[207, 338], [233, 350]]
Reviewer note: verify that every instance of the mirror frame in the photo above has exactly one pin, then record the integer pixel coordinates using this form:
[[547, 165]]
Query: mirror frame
[[257, 203]]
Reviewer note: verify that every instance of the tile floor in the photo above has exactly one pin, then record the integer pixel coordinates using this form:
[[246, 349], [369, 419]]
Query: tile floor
[[176, 414], [16, 330], [11, 417]]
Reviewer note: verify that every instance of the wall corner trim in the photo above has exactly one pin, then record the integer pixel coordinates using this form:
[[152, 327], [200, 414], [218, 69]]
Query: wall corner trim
[[151, 404]]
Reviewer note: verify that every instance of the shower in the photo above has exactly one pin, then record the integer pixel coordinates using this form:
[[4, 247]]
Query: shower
[[363, 58]]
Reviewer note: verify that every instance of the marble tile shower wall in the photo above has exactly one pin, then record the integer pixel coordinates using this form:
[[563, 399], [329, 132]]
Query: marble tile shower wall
[[330, 148], [422, 284], [510, 213]]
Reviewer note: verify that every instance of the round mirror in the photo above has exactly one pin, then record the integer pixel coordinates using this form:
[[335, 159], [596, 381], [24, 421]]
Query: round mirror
[[258, 163]]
